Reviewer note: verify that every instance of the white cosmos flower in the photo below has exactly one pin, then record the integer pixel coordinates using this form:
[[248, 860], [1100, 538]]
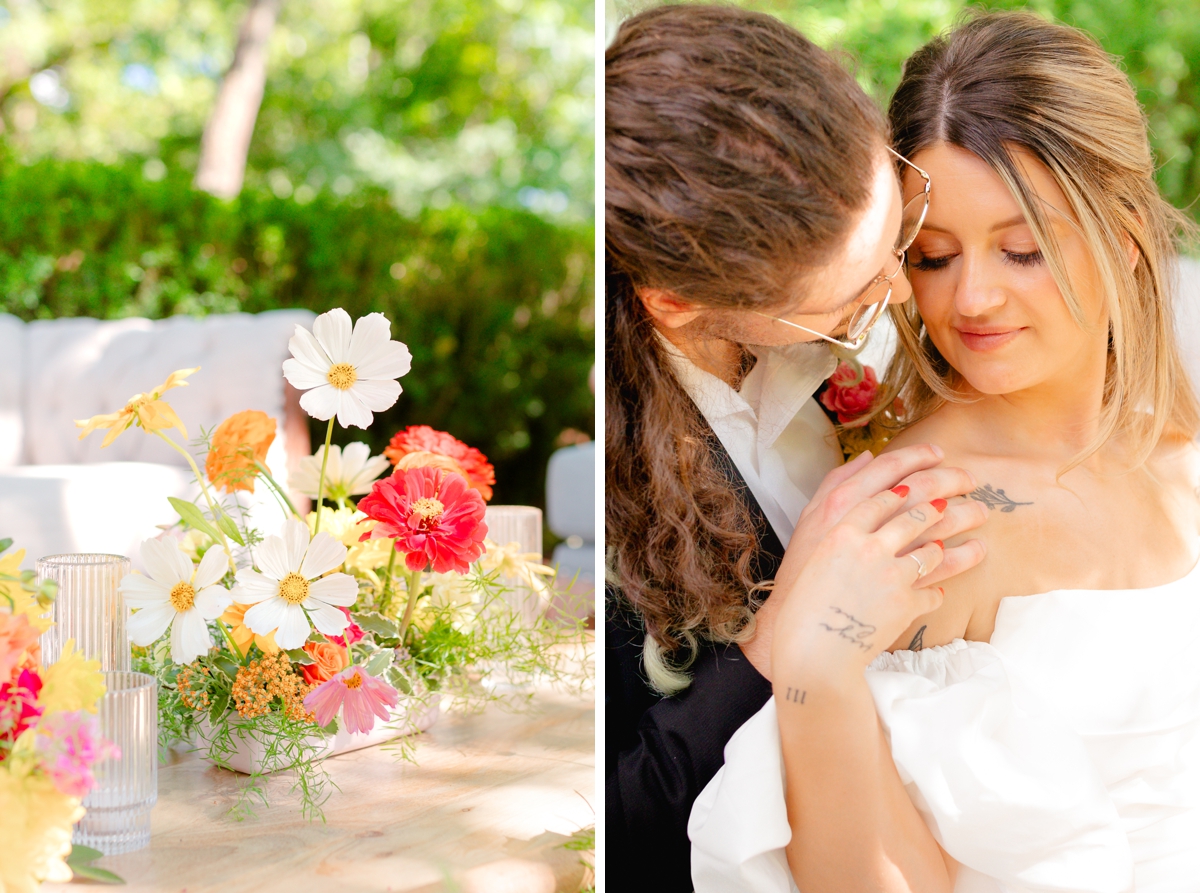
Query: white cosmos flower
[[288, 592], [177, 594], [350, 374], [348, 472]]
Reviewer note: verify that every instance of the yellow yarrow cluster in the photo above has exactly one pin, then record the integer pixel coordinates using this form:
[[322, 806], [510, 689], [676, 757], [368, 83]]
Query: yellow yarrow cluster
[[262, 681], [71, 683]]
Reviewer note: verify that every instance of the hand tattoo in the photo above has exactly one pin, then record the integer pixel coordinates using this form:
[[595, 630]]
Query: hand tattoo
[[918, 641], [854, 631], [994, 498], [916, 514], [795, 695]]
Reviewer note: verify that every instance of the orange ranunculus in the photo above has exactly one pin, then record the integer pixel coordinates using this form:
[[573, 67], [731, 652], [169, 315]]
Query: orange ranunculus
[[234, 617], [239, 442], [424, 444], [330, 660]]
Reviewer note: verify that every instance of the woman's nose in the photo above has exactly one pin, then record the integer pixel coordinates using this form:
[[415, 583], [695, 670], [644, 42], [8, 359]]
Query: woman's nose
[[977, 292]]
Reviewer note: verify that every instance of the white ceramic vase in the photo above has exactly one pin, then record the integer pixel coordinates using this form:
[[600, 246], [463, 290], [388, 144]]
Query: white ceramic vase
[[250, 753]]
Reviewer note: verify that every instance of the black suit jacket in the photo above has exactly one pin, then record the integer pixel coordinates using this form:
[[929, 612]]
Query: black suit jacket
[[661, 752]]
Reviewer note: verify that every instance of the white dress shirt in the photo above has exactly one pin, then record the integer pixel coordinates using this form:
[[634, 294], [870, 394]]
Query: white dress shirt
[[778, 437]]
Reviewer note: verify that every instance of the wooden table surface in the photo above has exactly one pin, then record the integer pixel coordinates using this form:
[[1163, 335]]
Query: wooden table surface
[[486, 809]]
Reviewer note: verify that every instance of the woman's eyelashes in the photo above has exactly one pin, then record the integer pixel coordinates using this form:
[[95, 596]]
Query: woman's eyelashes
[[927, 264], [1023, 260]]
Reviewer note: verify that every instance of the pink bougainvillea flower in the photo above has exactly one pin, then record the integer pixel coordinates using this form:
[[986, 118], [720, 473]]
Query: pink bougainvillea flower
[[850, 399], [18, 704], [360, 696], [69, 745], [353, 633], [433, 516]]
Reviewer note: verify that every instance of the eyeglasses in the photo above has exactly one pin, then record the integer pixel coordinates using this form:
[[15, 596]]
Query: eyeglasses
[[868, 307]]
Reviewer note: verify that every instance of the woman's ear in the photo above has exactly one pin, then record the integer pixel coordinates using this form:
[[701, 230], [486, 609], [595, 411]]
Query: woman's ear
[[666, 308], [1132, 252]]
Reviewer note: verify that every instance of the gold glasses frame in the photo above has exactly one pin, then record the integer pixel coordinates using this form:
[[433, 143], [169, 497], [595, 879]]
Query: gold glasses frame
[[864, 312]]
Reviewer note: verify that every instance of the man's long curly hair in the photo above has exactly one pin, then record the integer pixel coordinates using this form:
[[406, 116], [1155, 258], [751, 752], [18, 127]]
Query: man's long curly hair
[[737, 154]]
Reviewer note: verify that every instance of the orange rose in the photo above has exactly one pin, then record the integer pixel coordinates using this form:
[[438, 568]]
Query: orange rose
[[239, 442], [330, 660], [419, 446]]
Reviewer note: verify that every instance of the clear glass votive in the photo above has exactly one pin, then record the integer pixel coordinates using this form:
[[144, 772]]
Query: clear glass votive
[[519, 524], [89, 608], [118, 807]]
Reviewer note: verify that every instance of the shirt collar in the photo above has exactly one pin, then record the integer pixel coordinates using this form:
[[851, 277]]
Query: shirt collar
[[782, 380]]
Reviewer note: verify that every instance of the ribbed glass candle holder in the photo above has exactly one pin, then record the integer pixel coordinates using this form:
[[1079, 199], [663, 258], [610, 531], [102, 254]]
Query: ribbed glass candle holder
[[518, 524], [89, 608], [118, 807]]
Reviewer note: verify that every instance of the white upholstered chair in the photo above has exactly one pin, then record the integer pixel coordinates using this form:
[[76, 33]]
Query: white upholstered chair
[[60, 494]]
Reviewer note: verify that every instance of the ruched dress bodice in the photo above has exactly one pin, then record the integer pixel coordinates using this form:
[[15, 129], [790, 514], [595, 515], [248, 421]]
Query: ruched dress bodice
[[1064, 755]]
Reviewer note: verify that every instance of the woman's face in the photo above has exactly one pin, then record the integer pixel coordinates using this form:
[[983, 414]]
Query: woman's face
[[985, 292]]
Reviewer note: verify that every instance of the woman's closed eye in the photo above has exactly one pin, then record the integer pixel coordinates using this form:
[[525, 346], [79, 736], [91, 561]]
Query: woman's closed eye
[[926, 263], [1027, 259]]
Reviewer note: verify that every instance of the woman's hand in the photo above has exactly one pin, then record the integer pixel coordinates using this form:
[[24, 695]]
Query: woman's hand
[[865, 484]]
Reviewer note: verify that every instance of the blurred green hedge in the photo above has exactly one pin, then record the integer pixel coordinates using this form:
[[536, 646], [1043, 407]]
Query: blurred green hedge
[[495, 305]]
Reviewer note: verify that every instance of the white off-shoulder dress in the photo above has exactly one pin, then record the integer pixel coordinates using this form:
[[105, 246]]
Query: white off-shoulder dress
[[1062, 756]]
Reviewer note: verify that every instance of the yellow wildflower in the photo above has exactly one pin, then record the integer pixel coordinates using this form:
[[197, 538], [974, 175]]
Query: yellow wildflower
[[235, 618], [71, 683], [35, 832], [518, 566], [23, 601], [148, 410], [346, 526]]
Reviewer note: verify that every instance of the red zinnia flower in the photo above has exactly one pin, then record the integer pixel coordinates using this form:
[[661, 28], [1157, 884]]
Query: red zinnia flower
[[18, 704], [433, 516], [421, 439]]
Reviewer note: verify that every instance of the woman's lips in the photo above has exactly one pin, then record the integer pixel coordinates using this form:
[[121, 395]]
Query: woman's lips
[[987, 340]]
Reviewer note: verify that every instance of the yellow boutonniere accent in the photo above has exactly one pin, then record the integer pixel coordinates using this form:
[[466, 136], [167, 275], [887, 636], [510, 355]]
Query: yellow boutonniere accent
[[148, 410]]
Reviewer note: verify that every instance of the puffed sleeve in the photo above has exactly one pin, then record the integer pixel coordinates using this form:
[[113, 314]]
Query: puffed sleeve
[[1005, 788]]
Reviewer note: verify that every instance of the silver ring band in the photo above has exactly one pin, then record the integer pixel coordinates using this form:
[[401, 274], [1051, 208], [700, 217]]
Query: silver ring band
[[920, 564]]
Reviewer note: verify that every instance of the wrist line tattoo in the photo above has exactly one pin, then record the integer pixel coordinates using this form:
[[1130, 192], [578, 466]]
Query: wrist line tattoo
[[853, 630], [994, 498], [795, 695]]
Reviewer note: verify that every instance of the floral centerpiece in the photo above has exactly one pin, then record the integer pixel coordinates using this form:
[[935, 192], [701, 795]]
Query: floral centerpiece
[[49, 737], [352, 622]]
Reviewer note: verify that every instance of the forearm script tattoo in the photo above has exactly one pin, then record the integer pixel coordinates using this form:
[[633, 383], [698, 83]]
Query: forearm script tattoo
[[995, 499], [852, 630]]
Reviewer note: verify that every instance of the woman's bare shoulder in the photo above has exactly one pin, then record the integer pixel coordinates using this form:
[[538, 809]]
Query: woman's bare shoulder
[[937, 429]]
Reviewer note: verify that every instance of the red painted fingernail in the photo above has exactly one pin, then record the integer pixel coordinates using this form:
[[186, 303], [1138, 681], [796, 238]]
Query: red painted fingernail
[[939, 504], [941, 545], [900, 490]]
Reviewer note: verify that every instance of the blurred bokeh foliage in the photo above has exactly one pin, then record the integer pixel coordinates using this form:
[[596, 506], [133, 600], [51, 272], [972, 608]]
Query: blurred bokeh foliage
[[1156, 42], [429, 159]]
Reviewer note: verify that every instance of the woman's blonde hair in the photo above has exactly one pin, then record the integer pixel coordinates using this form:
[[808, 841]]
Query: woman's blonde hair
[[1004, 82]]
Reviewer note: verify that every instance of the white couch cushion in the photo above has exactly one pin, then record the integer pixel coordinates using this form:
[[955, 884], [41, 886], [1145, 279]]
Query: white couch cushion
[[77, 368], [12, 356], [571, 491], [104, 506]]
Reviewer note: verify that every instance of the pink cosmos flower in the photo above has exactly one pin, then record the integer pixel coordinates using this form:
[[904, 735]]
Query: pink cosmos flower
[[69, 745], [351, 634], [360, 696], [18, 704], [850, 401], [433, 515]]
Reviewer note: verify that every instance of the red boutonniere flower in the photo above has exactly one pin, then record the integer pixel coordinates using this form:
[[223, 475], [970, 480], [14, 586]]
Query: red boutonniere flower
[[850, 393]]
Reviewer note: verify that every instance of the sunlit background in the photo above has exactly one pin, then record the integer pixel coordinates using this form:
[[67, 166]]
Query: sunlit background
[[430, 159]]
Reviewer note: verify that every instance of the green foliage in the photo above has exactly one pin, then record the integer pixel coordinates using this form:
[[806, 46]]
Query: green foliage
[[1157, 43], [438, 102], [496, 305]]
